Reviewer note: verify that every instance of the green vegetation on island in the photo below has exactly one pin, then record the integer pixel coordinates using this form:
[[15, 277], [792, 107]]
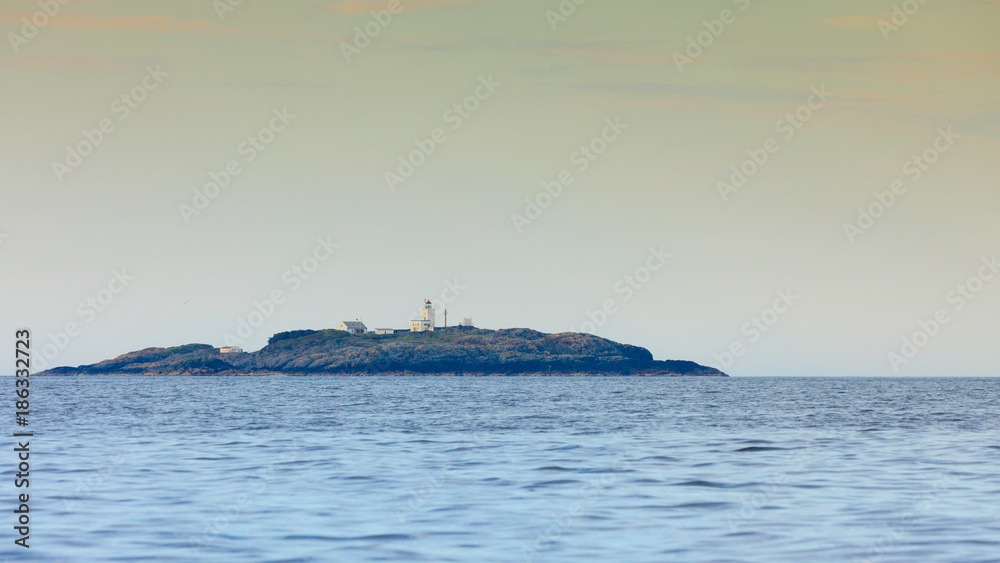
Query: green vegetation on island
[[461, 351]]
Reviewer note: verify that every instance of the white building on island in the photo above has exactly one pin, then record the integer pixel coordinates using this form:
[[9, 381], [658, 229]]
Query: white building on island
[[353, 327], [426, 322]]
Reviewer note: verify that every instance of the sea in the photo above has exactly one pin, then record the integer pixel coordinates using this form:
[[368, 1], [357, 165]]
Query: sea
[[508, 469]]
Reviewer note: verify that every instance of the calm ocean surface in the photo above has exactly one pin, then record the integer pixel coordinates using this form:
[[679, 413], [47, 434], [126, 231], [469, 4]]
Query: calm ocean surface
[[511, 469]]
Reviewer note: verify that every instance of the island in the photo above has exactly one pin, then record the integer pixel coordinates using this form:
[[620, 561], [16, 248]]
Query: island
[[455, 351]]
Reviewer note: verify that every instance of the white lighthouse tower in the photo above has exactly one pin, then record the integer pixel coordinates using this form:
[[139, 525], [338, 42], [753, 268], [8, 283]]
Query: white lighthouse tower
[[426, 322]]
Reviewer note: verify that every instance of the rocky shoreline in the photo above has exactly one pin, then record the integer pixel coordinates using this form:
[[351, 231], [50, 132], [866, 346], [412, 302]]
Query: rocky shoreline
[[451, 352]]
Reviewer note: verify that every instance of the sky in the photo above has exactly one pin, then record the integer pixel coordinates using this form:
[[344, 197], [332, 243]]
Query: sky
[[771, 188]]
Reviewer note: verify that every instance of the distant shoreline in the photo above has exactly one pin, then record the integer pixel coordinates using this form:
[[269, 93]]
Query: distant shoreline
[[452, 352]]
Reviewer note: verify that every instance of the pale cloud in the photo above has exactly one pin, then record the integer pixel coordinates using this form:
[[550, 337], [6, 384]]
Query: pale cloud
[[367, 6], [144, 23], [80, 62], [940, 65], [918, 66], [156, 24], [857, 22], [671, 93], [924, 104], [748, 101], [599, 52], [617, 55]]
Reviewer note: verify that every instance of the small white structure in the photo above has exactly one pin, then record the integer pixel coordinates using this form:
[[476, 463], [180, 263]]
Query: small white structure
[[385, 331], [230, 350], [466, 321], [426, 323], [353, 327]]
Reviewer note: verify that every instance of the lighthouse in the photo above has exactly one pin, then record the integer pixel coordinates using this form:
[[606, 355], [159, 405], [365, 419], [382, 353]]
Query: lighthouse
[[426, 322]]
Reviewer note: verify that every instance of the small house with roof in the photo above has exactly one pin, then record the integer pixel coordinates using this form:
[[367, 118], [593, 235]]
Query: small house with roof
[[353, 327]]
